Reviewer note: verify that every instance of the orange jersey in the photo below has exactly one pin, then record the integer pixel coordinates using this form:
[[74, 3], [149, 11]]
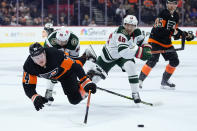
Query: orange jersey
[[58, 66]]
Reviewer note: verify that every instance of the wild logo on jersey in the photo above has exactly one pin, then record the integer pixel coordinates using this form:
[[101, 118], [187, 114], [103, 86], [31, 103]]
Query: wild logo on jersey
[[53, 41], [50, 74]]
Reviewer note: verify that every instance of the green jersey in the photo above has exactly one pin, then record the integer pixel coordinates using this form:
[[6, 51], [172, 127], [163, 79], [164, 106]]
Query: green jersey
[[72, 46]]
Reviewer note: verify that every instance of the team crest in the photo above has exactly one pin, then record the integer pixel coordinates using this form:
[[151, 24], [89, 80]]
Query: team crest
[[74, 42], [50, 74], [53, 41], [124, 32]]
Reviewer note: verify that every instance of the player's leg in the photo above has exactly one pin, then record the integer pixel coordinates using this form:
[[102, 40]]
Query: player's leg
[[89, 54], [146, 69], [99, 69], [169, 70], [130, 67], [72, 89], [49, 91]]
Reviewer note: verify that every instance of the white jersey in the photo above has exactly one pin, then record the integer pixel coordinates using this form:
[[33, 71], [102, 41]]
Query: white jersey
[[121, 44]]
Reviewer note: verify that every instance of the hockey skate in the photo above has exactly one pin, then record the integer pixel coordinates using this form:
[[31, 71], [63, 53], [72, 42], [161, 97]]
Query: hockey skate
[[136, 97], [96, 73], [167, 85], [90, 54], [49, 97]]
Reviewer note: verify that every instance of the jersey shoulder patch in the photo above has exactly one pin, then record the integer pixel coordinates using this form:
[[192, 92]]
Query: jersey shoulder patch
[[74, 39]]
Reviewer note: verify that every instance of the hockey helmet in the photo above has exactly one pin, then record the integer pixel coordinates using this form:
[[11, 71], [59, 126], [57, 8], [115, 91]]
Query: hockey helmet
[[171, 1], [62, 34], [35, 49], [48, 27], [130, 19]]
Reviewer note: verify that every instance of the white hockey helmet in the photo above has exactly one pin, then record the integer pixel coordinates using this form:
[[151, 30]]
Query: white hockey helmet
[[130, 19], [62, 34]]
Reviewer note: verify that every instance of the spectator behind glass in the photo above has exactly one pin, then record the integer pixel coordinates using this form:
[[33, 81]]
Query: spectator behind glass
[[92, 23], [86, 20], [193, 14], [120, 13], [34, 13]]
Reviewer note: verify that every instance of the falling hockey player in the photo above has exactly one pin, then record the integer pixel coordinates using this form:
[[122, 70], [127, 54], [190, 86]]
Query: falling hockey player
[[123, 45], [66, 41], [166, 26], [52, 64]]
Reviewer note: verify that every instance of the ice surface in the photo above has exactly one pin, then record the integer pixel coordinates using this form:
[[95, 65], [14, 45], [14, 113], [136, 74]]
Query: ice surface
[[107, 112]]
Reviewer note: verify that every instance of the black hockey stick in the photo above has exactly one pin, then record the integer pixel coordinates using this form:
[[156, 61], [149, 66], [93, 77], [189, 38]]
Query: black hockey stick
[[172, 50], [87, 107], [123, 96]]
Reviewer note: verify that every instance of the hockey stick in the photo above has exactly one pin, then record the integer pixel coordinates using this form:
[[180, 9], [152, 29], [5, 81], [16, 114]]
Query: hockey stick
[[172, 50], [93, 50], [123, 96], [87, 107]]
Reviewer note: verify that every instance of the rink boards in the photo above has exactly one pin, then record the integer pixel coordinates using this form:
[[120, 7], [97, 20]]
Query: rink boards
[[24, 36]]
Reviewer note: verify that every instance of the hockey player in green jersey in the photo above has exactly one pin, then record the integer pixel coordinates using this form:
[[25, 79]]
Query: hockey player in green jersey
[[48, 29], [66, 41], [123, 45]]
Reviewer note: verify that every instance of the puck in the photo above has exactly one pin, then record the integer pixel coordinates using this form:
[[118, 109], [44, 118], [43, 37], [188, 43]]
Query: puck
[[140, 125]]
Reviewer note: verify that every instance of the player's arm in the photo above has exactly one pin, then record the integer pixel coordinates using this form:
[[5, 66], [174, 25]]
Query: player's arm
[[179, 33], [29, 85], [163, 26], [75, 50], [139, 38], [124, 48], [129, 50], [86, 83]]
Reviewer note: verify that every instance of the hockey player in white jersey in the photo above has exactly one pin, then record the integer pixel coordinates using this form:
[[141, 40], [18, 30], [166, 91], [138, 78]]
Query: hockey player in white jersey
[[123, 45]]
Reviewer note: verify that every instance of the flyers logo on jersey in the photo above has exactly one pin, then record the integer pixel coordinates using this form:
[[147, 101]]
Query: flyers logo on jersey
[[50, 74]]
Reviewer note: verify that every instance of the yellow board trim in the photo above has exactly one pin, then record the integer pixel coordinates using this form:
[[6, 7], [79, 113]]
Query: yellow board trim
[[81, 43], [18, 44]]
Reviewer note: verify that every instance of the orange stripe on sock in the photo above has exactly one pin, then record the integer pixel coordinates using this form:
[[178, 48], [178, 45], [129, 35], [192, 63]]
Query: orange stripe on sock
[[83, 78], [170, 69], [146, 69]]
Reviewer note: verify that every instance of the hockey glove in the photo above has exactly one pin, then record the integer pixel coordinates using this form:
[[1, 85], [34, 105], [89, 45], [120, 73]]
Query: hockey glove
[[188, 35], [144, 52], [87, 85], [38, 101]]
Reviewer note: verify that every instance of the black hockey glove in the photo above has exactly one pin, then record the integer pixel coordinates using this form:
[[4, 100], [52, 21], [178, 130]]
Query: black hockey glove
[[188, 35], [39, 101], [87, 84], [144, 52]]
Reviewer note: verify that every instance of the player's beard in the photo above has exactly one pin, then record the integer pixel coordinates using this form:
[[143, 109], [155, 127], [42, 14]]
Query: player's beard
[[171, 8]]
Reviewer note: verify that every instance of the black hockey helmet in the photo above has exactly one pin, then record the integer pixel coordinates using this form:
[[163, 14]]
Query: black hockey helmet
[[36, 49], [171, 1]]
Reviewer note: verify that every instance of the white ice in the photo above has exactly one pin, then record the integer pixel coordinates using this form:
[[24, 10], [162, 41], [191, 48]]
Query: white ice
[[107, 112]]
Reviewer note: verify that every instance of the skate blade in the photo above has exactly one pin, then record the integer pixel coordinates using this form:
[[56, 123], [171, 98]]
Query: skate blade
[[49, 103], [167, 88]]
